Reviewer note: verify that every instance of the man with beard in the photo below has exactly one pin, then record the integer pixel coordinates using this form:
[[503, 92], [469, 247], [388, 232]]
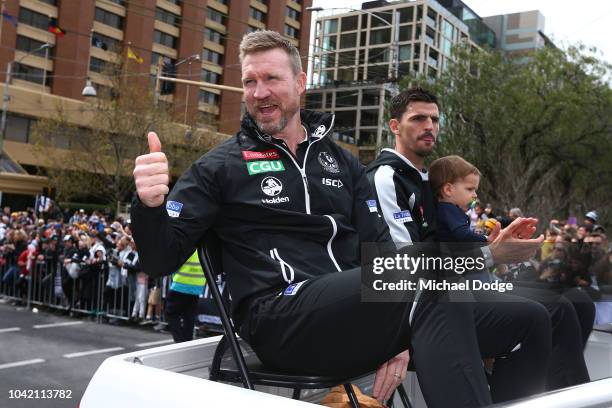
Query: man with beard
[[291, 209], [401, 183]]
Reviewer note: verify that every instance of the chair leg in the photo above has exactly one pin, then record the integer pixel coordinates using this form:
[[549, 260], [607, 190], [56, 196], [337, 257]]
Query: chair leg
[[404, 396], [296, 393], [351, 394]]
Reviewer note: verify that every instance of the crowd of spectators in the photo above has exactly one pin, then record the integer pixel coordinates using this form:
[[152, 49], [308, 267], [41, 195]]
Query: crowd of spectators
[[574, 254], [84, 261]]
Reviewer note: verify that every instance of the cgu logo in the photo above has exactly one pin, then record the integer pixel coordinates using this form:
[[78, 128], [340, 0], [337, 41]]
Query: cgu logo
[[265, 166], [332, 182]]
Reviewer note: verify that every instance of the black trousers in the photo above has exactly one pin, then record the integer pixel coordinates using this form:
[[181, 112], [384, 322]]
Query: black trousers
[[181, 311], [572, 314], [325, 328]]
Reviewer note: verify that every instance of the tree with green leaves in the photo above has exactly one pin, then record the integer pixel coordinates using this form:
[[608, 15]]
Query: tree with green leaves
[[537, 125]]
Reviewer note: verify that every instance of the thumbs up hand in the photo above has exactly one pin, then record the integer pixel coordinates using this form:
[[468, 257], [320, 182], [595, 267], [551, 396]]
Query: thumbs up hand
[[151, 174]]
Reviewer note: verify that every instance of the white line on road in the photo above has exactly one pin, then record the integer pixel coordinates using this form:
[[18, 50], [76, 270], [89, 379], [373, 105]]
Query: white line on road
[[154, 343], [87, 353], [43, 326], [22, 363], [9, 329]]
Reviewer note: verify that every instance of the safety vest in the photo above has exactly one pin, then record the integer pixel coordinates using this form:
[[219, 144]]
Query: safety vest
[[190, 277]]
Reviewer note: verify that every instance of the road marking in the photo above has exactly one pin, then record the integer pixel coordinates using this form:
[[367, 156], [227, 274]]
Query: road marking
[[22, 363], [154, 343], [44, 326], [87, 353], [9, 329]]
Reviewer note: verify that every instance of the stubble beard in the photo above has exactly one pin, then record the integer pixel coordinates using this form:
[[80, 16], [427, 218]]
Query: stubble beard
[[272, 128]]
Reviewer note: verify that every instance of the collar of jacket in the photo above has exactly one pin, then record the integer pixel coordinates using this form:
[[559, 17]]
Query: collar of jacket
[[390, 157], [318, 125]]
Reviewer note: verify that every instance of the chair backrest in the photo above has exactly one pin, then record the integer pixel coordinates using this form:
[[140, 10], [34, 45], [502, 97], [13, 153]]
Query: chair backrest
[[211, 261]]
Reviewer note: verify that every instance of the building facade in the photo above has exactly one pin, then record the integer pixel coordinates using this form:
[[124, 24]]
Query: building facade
[[359, 56], [519, 33], [199, 37]]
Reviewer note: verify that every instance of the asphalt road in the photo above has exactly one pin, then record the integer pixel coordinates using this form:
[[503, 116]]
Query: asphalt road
[[46, 351]]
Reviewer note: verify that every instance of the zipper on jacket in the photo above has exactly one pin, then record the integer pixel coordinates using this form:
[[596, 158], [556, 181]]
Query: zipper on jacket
[[330, 251]]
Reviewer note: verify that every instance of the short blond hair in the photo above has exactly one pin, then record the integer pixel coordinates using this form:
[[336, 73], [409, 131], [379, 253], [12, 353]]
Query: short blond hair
[[264, 40], [449, 169]]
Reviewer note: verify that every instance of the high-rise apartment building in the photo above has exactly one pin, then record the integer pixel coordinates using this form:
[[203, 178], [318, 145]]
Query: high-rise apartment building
[[519, 33], [96, 30], [358, 55]]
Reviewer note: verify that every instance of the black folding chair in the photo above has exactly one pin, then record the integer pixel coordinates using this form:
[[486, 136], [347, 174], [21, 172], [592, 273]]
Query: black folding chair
[[254, 372]]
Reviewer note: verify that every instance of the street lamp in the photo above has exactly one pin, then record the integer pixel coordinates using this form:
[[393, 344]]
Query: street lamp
[[188, 60], [89, 90], [6, 97]]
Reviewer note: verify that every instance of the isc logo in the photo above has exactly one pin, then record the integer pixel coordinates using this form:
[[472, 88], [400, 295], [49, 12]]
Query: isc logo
[[332, 182]]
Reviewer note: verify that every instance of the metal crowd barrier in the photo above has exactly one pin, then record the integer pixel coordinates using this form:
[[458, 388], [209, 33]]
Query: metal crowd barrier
[[92, 293]]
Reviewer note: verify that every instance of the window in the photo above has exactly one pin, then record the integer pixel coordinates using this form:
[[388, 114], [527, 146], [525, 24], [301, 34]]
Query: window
[[251, 29], [329, 43], [370, 97], [215, 16], [405, 33], [330, 26], [369, 117], [346, 58], [290, 31], [349, 23], [105, 42], [380, 36], [314, 100], [97, 65], [31, 74], [378, 55], [405, 52], [210, 76], [256, 14], [348, 40], [164, 39], [328, 60], [212, 56], [213, 36], [108, 18], [406, 15], [167, 17], [51, 2], [33, 18], [346, 99], [292, 13], [208, 97], [345, 119], [28, 44], [18, 128], [382, 19], [166, 60], [345, 74]]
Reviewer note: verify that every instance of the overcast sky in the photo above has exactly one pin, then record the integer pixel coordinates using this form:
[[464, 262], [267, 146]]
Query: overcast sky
[[566, 22]]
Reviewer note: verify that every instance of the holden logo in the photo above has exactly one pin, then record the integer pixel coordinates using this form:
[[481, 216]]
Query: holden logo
[[328, 162], [271, 186], [320, 130]]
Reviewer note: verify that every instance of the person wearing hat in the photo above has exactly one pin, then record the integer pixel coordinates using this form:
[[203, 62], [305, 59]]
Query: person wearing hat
[[590, 222]]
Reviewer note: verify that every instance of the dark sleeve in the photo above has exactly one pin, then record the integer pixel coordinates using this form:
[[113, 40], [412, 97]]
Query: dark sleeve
[[394, 203], [167, 235], [366, 216], [458, 227]]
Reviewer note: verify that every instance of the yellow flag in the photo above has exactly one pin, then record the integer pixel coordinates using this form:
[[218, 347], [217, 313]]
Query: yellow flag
[[132, 55]]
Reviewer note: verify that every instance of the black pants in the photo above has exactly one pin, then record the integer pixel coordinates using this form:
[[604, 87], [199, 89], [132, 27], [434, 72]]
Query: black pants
[[572, 314], [325, 328], [181, 310]]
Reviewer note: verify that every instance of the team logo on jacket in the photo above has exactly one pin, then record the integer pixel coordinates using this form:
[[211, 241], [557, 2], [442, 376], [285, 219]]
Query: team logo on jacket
[[372, 205], [174, 208], [264, 166], [320, 131], [328, 162], [271, 186], [402, 216], [265, 155]]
